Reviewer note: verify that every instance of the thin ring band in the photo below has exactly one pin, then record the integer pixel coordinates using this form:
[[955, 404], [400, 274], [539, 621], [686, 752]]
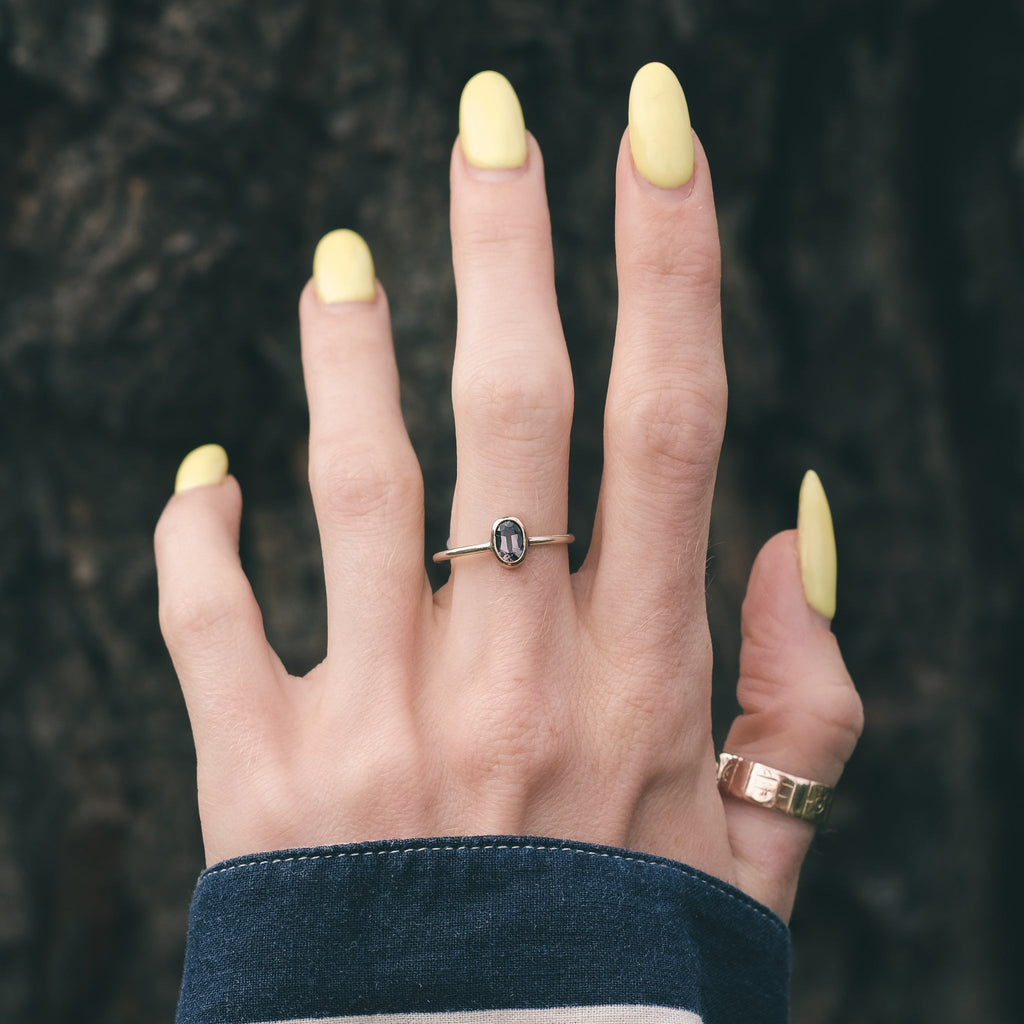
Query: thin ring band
[[760, 784], [509, 543]]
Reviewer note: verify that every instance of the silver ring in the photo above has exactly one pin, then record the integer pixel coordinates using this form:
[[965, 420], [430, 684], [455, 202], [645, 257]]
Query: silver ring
[[509, 543]]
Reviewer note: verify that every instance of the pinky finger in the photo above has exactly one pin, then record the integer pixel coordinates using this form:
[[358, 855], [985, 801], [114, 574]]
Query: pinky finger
[[208, 615]]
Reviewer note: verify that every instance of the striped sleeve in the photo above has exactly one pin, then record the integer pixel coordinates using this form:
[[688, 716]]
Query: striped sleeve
[[487, 930]]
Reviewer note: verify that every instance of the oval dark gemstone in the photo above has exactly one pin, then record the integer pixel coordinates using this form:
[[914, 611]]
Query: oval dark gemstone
[[508, 538]]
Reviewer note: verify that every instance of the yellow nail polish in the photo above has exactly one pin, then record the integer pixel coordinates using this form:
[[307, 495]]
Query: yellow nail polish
[[343, 268], [207, 464], [491, 126], [659, 127], [817, 543]]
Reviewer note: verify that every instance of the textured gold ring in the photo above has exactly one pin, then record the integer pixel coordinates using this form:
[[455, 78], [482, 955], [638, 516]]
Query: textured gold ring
[[759, 784]]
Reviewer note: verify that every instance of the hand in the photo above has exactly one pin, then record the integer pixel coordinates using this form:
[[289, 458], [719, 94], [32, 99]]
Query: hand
[[525, 700]]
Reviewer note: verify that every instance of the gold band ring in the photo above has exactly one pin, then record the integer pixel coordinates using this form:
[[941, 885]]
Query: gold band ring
[[509, 543], [756, 783]]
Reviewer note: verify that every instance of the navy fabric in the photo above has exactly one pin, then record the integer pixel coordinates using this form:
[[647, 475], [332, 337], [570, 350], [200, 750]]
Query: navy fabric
[[475, 924]]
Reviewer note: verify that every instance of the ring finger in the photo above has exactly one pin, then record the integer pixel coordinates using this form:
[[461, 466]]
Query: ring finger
[[511, 383]]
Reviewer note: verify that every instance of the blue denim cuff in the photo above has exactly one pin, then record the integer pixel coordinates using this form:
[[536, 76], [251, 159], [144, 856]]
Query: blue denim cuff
[[483, 923]]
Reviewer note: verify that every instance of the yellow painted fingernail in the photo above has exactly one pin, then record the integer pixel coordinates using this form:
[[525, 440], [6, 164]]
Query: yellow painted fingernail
[[343, 268], [491, 124], [817, 543], [659, 127], [207, 464]]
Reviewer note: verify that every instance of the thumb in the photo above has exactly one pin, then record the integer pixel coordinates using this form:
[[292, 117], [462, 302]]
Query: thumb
[[801, 712]]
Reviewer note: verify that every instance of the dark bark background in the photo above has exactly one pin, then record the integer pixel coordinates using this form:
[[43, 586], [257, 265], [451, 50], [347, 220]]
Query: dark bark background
[[166, 168]]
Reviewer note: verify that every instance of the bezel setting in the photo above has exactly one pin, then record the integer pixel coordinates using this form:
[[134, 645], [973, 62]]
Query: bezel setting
[[509, 541]]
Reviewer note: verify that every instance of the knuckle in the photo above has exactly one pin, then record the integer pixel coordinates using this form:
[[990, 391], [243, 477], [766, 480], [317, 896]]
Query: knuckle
[[696, 270], [681, 263], [349, 484], [201, 616], [846, 713], [493, 237], [676, 429], [507, 400]]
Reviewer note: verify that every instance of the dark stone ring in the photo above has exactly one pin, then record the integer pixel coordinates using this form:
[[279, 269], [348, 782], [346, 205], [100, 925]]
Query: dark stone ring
[[508, 542]]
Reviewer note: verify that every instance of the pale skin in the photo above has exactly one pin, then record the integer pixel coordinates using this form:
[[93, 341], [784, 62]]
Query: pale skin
[[591, 720]]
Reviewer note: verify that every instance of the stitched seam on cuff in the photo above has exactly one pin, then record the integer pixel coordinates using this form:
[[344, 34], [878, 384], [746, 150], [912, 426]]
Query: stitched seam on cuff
[[484, 847]]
